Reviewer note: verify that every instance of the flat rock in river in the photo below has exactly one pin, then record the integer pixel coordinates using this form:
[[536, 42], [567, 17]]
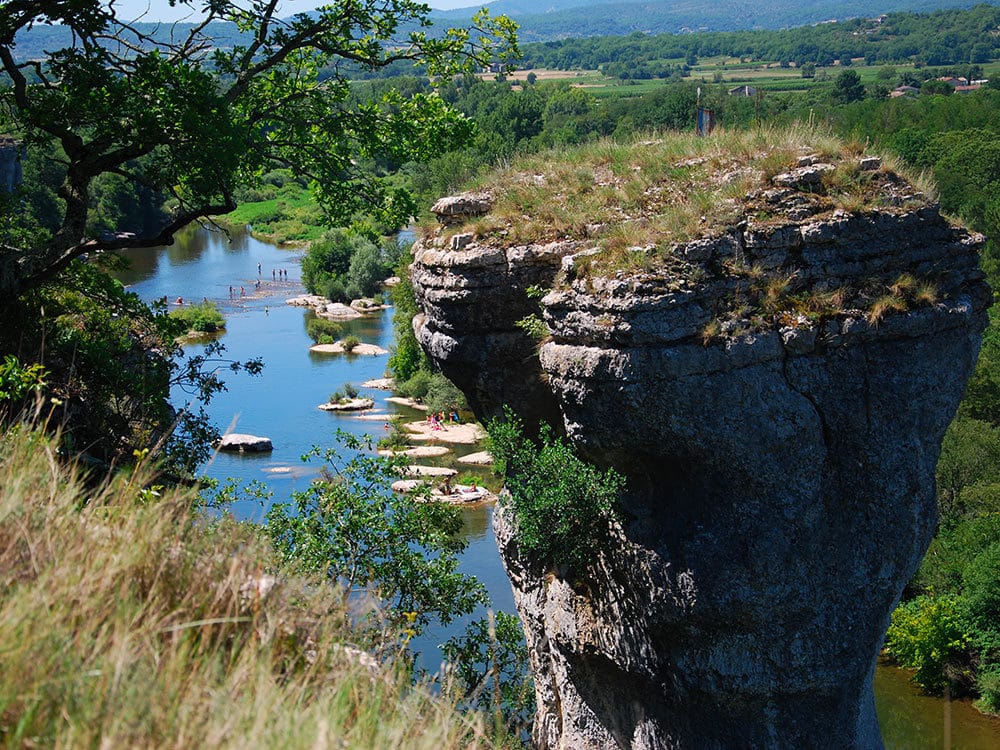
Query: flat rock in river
[[421, 451], [429, 471], [236, 442], [480, 458], [350, 404]]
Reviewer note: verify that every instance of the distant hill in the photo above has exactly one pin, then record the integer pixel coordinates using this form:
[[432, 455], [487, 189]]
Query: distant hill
[[580, 18]]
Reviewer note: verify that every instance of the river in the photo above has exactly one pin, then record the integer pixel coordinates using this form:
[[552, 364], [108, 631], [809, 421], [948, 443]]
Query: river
[[282, 404]]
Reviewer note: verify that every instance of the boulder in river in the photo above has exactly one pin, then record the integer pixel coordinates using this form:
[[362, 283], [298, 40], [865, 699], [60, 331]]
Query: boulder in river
[[236, 442]]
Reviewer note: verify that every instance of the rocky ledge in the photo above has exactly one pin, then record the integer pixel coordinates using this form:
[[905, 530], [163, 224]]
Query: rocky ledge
[[775, 392]]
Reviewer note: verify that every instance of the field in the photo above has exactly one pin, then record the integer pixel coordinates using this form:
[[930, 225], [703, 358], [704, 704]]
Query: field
[[729, 71]]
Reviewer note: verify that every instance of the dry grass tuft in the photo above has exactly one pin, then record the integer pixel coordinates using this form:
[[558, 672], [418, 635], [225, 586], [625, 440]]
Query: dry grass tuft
[[128, 620], [711, 332], [884, 305]]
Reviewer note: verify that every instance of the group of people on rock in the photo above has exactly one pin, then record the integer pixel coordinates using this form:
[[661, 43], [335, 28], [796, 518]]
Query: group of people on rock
[[438, 420]]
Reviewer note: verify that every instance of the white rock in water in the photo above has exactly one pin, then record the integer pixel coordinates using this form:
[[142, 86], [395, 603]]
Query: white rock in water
[[429, 471], [354, 404], [240, 443], [337, 310], [480, 458]]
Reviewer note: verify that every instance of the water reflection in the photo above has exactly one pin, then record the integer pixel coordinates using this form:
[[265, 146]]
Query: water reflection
[[913, 721]]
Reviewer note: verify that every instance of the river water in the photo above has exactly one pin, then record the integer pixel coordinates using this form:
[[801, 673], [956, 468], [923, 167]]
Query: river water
[[282, 404]]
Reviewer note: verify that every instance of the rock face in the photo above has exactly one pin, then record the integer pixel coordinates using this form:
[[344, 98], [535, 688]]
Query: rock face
[[10, 165], [775, 395]]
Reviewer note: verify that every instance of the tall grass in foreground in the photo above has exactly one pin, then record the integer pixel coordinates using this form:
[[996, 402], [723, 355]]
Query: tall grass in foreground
[[127, 620]]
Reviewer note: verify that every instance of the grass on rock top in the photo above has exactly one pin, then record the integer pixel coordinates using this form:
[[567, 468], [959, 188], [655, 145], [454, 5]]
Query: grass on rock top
[[662, 190]]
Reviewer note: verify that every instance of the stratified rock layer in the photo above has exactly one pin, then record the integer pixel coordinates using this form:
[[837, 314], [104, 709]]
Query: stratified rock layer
[[780, 462]]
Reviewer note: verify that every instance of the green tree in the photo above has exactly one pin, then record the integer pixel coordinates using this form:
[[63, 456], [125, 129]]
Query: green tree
[[196, 121], [366, 538], [118, 114], [328, 260], [847, 87], [935, 87], [928, 634]]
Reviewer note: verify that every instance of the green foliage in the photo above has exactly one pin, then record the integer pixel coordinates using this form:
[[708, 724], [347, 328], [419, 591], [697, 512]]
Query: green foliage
[[982, 394], [328, 259], [490, 660], [346, 392], [201, 317], [350, 343], [323, 328], [346, 264], [398, 438], [407, 358], [988, 685], [981, 602], [847, 87], [927, 634], [534, 326], [970, 455], [17, 380], [417, 386], [351, 527], [953, 549], [562, 506], [442, 395]]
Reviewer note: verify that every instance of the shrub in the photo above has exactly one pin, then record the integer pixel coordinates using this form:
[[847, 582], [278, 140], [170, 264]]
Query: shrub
[[344, 264], [203, 317], [981, 602], [563, 507], [350, 343], [417, 385], [317, 328], [351, 527], [17, 380], [398, 437], [988, 685], [927, 634], [442, 395]]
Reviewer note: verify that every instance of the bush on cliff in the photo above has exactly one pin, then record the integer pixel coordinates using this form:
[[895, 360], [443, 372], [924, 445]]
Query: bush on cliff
[[563, 506]]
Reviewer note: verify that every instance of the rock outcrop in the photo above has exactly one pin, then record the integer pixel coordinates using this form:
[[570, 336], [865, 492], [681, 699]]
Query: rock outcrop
[[776, 394], [10, 165], [236, 442]]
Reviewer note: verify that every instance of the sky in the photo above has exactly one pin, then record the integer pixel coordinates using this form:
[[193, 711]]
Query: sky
[[160, 10]]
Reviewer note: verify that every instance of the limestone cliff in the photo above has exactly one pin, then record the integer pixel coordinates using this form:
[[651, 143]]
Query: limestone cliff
[[10, 165], [775, 390]]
